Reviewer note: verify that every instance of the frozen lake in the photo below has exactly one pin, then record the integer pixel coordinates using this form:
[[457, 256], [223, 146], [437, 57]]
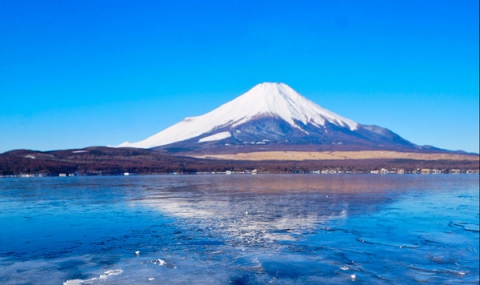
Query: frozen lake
[[240, 229]]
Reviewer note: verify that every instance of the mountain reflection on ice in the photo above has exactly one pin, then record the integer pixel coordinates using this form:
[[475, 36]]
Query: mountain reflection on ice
[[240, 229]]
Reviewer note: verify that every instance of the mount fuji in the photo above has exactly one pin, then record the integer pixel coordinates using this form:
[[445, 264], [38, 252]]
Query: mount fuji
[[272, 116]]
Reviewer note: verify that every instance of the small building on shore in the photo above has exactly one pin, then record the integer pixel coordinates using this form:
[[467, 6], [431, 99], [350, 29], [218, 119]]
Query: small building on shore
[[425, 171]]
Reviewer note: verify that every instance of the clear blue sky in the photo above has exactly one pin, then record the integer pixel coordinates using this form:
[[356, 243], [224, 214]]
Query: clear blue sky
[[81, 73]]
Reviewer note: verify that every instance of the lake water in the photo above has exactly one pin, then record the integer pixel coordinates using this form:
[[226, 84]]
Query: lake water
[[240, 229]]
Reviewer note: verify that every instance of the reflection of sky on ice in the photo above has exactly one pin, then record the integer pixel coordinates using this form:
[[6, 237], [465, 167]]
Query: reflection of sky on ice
[[240, 229], [249, 218]]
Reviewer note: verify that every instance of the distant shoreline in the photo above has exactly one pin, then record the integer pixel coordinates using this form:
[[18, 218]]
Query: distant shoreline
[[473, 172]]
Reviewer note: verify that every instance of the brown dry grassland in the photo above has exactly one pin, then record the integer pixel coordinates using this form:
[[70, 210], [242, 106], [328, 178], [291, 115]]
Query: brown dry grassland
[[338, 155]]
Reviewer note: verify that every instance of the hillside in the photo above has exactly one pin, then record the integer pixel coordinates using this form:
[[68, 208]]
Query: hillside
[[116, 161]]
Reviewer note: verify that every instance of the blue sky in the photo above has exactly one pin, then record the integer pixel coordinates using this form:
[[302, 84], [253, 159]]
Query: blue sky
[[81, 73]]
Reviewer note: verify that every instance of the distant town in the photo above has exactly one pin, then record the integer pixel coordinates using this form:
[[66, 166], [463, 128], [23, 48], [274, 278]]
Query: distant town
[[381, 171]]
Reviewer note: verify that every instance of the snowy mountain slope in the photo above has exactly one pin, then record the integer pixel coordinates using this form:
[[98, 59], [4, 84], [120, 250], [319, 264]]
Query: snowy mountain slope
[[275, 100], [272, 116]]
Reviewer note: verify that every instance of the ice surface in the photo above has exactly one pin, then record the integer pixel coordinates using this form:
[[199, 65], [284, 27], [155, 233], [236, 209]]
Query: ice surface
[[266, 99], [239, 229]]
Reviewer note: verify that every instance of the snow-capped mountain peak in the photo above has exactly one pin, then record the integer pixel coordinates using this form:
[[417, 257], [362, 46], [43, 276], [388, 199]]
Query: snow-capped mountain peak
[[266, 100], [278, 99]]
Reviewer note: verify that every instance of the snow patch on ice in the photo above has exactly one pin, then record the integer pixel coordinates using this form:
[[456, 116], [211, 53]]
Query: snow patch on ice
[[77, 281], [106, 275]]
